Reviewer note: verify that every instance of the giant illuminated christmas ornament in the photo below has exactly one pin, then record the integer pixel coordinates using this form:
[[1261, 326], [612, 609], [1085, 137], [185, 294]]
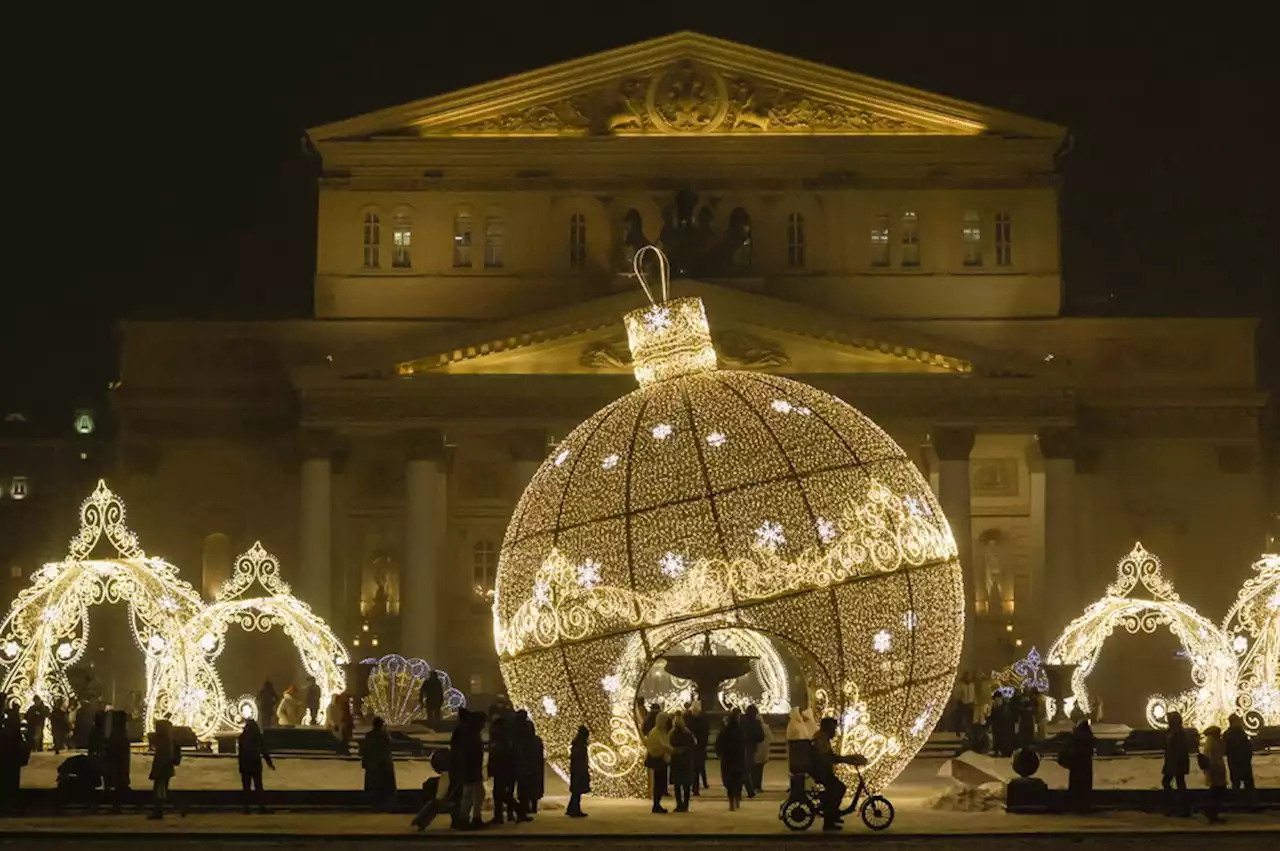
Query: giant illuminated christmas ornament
[[711, 499], [321, 653], [47, 628], [1214, 670], [1253, 626]]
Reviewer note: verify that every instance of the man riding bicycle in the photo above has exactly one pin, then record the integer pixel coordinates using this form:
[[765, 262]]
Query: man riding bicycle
[[823, 769]]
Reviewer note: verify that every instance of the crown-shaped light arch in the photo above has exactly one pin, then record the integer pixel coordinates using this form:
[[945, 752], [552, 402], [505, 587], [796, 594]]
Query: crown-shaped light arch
[[1214, 670], [1253, 626]]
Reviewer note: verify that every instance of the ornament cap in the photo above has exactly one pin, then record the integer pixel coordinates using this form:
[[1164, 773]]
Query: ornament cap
[[670, 339]]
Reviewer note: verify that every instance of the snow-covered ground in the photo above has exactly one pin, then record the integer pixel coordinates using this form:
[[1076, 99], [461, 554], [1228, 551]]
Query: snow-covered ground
[[1122, 772]]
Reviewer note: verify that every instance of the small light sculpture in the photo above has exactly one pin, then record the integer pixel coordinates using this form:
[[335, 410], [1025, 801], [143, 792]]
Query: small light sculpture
[[708, 500], [1214, 670], [395, 683], [1253, 623]]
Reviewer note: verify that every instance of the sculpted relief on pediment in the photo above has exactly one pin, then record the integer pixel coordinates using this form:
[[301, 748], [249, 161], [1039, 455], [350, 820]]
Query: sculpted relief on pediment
[[735, 350], [685, 98]]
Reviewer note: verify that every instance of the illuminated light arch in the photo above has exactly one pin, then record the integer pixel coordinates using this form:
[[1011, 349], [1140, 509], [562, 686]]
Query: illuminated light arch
[[322, 654], [1214, 670], [47, 628], [713, 499], [1253, 627]]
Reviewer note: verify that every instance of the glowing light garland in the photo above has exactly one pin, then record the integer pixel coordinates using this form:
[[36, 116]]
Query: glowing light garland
[[395, 683], [1214, 669], [809, 526], [47, 628], [1253, 623]]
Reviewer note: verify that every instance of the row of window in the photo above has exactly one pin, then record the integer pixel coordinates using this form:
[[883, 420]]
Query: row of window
[[882, 238]]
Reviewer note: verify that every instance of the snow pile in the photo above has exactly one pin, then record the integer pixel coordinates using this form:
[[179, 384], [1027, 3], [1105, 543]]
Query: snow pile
[[960, 798]]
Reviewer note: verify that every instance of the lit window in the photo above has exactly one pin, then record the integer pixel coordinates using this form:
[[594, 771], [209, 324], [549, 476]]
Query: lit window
[[495, 242], [484, 568], [402, 241], [372, 241], [1004, 240], [740, 236], [462, 239], [880, 240], [972, 239], [795, 241], [577, 242], [477, 684], [910, 239], [84, 422], [18, 487], [15, 571]]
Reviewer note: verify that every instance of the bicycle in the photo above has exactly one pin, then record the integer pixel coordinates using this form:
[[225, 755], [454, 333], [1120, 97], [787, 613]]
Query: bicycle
[[804, 804]]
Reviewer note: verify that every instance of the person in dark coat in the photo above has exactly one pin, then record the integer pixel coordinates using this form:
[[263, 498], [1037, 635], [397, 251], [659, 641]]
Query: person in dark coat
[[251, 752], [441, 792], [14, 754], [1001, 724], [504, 765], [532, 764], [379, 766], [1239, 757], [700, 725], [431, 696], [1177, 765], [117, 757], [651, 719], [579, 773], [96, 750], [313, 701], [823, 768], [59, 725], [1025, 708], [164, 764], [1080, 767], [732, 750], [683, 770], [268, 700], [37, 713], [752, 736], [466, 763]]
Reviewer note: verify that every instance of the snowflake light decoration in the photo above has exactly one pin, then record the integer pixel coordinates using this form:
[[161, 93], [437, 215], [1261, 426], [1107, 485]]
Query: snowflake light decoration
[[826, 530], [609, 461], [662, 431], [882, 641], [769, 535], [672, 564], [590, 648], [589, 574], [716, 438]]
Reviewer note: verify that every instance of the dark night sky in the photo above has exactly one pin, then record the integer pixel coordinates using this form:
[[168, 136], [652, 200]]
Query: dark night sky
[[162, 175]]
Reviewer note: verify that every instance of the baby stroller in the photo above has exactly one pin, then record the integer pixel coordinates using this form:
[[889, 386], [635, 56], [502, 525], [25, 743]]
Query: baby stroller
[[78, 781], [804, 800]]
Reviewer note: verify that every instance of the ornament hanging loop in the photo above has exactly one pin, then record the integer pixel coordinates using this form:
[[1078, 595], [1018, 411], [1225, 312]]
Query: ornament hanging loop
[[664, 272]]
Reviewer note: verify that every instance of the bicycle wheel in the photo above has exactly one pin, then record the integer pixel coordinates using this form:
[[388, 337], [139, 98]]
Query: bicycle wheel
[[797, 815], [877, 812]]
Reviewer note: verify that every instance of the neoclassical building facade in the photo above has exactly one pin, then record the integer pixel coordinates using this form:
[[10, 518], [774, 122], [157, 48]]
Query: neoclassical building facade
[[894, 247]]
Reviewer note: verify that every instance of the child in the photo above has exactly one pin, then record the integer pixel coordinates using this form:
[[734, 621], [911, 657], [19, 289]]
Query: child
[[579, 774], [442, 792]]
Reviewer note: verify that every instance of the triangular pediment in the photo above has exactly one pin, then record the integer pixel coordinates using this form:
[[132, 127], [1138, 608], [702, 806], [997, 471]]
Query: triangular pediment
[[685, 84], [750, 332]]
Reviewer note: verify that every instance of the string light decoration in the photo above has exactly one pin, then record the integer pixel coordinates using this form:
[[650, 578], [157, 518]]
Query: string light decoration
[[1027, 672], [709, 500], [395, 683], [1214, 669], [47, 628], [322, 654], [1253, 627]]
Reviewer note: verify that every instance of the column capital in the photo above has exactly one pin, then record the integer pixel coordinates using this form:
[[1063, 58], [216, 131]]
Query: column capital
[[527, 444], [316, 443], [952, 444], [1058, 444], [424, 445]]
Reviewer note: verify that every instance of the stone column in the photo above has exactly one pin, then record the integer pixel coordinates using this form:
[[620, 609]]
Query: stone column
[[528, 451], [953, 447], [426, 525], [315, 524], [1061, 566]]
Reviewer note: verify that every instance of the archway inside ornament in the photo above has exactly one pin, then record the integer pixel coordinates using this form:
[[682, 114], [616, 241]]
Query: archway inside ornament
[[765, 681], [1130, 669], [250, 658], [111, 672]]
